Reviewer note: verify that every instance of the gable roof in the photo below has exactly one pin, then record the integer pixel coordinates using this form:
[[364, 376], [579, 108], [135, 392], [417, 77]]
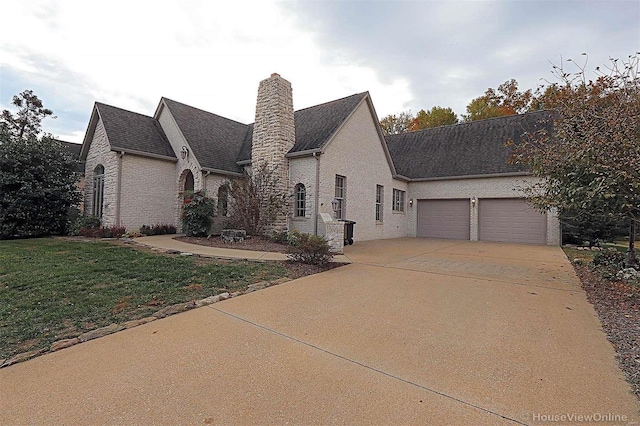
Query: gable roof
[[463, 150], [215, 140], [314, 125], [130, 131]]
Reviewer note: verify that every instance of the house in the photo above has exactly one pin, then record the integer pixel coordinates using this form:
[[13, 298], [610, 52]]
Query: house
[[448, 182]]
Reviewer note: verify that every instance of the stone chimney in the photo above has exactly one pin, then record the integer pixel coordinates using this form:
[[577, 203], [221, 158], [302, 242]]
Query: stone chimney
[[274, 132]]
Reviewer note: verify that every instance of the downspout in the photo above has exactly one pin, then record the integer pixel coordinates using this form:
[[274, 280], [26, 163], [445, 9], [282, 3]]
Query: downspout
[[317, 194], [119, 189]]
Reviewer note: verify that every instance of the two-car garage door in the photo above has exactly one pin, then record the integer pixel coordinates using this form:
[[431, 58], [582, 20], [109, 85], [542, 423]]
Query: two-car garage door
[[499, 219]]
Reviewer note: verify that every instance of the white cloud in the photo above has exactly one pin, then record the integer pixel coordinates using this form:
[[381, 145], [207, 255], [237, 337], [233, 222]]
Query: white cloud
[[208, 54]]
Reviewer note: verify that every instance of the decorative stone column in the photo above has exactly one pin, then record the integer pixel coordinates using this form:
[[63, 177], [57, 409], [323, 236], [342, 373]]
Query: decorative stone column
[[274, 134]]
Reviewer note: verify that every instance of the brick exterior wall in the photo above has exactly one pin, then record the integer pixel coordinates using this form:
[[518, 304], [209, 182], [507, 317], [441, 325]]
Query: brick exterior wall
[[490, 187], [100, 153], [303, 170], [212, 184], [177, 141], [147, 195], [356, 152], [274, 132]]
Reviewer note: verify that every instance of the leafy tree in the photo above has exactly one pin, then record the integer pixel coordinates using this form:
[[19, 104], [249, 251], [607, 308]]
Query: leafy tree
[[255, 200], [37, 174], [435, 117], [590, 162], [393, 124], [26, 123], [507, 100]]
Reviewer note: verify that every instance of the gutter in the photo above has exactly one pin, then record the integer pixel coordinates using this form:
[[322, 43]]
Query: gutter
[[221, 172], [491, 175], [144, 154]]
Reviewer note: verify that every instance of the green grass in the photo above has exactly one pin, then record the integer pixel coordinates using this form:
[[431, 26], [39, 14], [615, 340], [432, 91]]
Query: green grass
[[52, 289]]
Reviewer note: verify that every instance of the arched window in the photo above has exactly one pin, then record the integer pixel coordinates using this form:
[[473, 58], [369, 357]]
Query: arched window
[[188, 181], [223, 195], [98, 191], [301, 201]]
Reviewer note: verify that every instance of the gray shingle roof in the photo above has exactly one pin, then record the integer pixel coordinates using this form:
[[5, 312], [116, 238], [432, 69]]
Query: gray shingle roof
[[74, 149], [215, 140], [314, 125], [137, 132], [467, 149]]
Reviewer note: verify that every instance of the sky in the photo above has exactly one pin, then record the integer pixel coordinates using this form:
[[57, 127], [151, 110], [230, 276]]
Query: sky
[[409, 55]]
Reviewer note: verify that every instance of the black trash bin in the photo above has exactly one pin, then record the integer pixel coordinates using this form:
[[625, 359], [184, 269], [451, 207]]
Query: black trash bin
[[348, 231]]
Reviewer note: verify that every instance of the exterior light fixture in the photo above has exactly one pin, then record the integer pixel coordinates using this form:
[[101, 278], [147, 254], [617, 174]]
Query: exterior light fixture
[[184, 152], [473, 201], [334, 205], [410, 202]]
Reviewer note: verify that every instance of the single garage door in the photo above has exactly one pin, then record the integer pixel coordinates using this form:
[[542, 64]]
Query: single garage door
[[443, 219], [510, 220]]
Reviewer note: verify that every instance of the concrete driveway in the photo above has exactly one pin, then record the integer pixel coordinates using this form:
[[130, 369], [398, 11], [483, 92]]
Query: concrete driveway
[[413, 332]]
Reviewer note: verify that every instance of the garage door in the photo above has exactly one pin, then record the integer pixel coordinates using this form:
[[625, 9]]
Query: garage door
[[510, 220], [443, 219]]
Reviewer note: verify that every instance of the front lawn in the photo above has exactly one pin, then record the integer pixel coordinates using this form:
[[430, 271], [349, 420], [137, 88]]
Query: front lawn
[[52, 289]]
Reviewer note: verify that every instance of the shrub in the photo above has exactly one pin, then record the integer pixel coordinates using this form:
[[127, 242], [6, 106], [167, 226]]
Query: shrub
[[608, 262], [280, 237], [103, 232], [158, 229], [87, 222], [197, 213], [311, 249]]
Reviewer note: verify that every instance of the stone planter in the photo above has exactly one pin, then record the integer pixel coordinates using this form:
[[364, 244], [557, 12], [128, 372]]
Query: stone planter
[[233, 235]]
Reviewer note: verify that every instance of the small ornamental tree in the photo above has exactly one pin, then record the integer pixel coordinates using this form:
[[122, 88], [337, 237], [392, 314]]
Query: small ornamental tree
[[256, 200], [591, 160], [37, 174], [197, 213]]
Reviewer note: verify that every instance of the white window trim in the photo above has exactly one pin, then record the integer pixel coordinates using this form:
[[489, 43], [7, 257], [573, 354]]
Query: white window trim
[[300, 203], [342, 198], [379, 205], [399, 201]]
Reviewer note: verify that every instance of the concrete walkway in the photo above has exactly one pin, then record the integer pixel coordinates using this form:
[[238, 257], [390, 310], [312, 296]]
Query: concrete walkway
[[167, 242], [413, 332]]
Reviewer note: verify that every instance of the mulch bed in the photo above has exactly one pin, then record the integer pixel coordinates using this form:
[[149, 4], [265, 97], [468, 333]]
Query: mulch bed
[[251, 243], [618, 306], [296, 269]]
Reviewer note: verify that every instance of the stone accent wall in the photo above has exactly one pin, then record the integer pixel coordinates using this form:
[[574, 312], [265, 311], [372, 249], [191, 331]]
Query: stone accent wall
[[334, 233], [357, 153], [490, 187], [274, 132], [100, 153], [147, 196]]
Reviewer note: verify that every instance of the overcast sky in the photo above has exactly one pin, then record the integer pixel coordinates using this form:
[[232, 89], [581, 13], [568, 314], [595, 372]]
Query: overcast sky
[[408, 55]]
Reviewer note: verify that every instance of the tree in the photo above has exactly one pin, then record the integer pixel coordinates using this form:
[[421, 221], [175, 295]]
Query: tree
[[255, 200], [26, 123], [590, 161], [393, 124], [37, 174], [507, 100], [436, 117]]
